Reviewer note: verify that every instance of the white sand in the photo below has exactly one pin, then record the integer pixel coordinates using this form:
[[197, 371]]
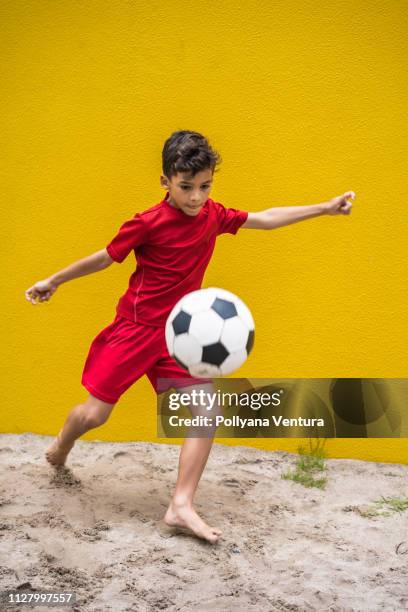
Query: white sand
[[97, 530]]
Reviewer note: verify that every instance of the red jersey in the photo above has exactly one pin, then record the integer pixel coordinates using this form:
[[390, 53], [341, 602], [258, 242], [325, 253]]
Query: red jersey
[[172, 252]]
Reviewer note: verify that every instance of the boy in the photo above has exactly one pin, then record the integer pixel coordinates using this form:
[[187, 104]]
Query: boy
[[173, 242]]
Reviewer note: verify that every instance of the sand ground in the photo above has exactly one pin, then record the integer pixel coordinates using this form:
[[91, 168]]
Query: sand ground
[[96, 529]]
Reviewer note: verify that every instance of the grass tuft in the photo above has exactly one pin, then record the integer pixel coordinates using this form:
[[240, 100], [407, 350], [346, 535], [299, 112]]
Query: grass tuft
[[310, 462], [392, 504], [381, 507]]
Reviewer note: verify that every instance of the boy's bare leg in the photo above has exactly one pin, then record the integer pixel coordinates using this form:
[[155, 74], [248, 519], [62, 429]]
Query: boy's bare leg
[[193, 458], [82, 418]]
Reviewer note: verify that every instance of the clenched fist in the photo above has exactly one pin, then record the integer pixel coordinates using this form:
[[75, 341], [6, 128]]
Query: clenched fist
[[41, 291], [340, 205]]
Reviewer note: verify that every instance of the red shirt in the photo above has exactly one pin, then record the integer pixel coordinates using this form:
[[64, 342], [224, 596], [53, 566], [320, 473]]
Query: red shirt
[[172, 252]]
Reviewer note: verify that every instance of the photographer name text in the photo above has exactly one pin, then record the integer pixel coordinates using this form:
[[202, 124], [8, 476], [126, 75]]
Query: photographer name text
[[237, 421]]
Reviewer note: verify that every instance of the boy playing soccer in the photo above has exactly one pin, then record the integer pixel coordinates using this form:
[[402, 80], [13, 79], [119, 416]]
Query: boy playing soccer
[[173, 242]]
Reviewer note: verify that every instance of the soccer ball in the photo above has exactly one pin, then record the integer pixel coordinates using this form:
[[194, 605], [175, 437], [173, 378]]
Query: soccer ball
[[210, 332]]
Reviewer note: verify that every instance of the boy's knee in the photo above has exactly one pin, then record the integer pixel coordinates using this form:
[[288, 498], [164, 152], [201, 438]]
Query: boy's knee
[[95, 415], [93, 418]]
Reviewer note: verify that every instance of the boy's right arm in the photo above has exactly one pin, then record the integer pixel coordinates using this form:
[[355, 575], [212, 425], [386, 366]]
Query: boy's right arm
[[44, 289]]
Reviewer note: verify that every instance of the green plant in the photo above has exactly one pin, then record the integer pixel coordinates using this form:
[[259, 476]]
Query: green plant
[[381, 507], [393, 504], [310, 461]]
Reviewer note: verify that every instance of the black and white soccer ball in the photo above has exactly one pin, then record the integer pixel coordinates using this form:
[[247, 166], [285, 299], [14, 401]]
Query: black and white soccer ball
[[210, 332]]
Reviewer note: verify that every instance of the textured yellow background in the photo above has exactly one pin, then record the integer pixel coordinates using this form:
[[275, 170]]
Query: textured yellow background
[[303, 99]]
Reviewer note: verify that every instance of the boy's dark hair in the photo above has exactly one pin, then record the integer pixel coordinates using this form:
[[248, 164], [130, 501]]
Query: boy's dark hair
[[186, 151]]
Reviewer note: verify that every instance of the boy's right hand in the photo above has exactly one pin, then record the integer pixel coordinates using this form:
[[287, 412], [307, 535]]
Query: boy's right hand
[[41, 291]]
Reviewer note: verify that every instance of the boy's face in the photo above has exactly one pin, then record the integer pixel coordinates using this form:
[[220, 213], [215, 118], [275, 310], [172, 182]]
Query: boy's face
[[188, 193]]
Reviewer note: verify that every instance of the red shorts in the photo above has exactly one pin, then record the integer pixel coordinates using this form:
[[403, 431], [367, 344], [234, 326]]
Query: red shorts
[[124, 351]]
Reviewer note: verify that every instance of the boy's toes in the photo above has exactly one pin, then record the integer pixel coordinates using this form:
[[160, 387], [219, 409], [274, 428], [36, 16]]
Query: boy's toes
[[213, 538]]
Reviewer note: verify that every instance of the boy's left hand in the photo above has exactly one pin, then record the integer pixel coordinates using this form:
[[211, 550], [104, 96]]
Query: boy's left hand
[[340, 205]]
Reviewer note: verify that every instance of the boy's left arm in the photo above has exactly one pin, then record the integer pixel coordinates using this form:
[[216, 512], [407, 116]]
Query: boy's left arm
[[278, 217]]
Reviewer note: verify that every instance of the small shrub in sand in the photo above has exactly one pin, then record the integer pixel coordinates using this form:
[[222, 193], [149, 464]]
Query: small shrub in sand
[[311, 461], [386, 506]]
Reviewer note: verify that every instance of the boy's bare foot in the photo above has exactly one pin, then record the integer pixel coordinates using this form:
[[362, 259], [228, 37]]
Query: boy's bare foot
[[187, 517], [56, 454]]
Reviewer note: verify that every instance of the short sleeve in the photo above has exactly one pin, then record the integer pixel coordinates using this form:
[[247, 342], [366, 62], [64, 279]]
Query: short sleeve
[[131, 234], [229, 219]]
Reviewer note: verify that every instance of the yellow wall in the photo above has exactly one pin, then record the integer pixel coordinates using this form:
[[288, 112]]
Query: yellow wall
[[304, 100]]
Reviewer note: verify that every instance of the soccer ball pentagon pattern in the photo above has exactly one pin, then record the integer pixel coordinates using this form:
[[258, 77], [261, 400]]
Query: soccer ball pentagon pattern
[[210, 332]]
